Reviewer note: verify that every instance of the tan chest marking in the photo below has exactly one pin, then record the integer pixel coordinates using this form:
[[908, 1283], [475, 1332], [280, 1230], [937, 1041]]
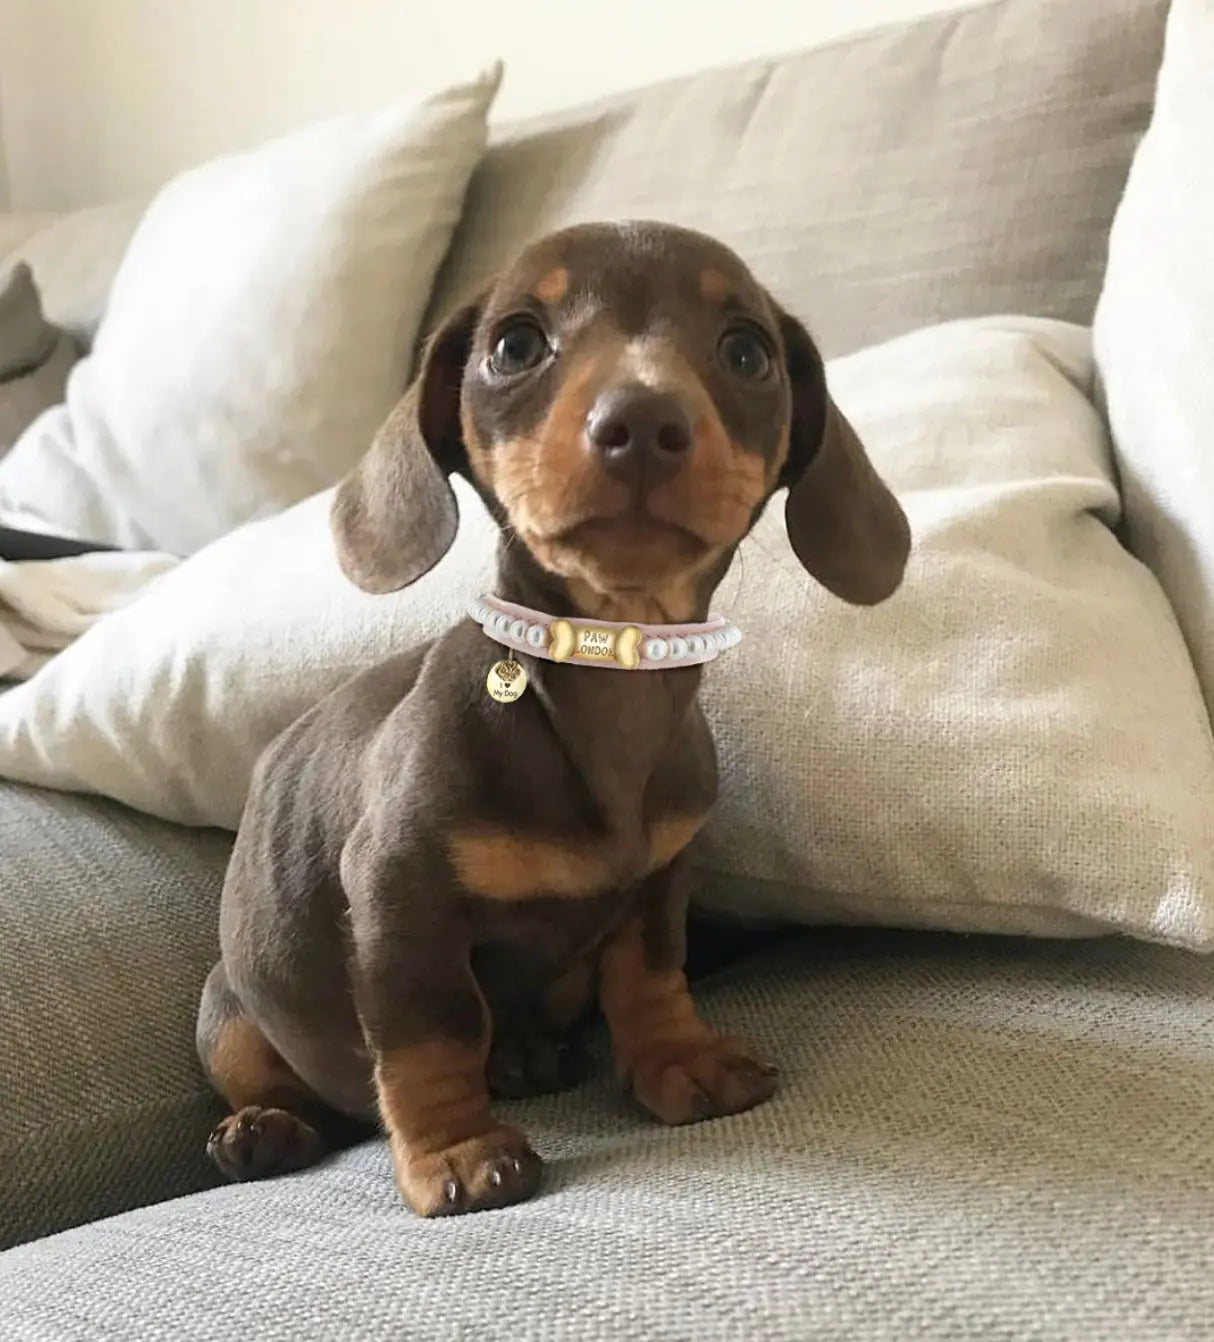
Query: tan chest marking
[[498, 864], [501, 865]]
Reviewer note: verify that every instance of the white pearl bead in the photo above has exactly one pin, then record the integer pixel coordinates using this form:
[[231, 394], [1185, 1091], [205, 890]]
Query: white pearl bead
[[501, 623], [518, 630], [656, 649], [678, 648], [695, 645], [537, 635]]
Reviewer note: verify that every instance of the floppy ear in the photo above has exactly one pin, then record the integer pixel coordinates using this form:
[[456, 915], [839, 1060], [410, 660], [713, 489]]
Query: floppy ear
[[844, 525], [394, 515]]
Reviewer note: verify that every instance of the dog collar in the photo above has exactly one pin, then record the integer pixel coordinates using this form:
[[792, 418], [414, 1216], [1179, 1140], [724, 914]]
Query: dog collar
[[603, 643]]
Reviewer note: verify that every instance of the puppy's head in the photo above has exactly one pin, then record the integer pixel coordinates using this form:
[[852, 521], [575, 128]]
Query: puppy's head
[[626, 398]]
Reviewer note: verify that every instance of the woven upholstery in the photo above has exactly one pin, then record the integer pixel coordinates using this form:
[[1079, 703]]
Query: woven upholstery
[[974, 1139], [108, 925]]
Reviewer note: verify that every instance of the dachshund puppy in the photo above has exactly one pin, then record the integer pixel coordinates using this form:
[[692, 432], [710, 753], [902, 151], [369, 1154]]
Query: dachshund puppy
[[432, 883]]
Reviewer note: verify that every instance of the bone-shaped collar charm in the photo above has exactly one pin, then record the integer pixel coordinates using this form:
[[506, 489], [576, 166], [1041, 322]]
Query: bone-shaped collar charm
[[595, 643]]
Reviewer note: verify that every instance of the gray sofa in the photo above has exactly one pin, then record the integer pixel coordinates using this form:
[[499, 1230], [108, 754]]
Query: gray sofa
[[973, 1138]]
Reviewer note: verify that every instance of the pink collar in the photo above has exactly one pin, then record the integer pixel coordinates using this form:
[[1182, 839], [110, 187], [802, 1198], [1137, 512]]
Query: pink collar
[[603, 643]]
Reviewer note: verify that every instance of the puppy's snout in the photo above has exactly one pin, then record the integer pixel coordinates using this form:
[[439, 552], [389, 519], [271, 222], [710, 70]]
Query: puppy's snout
[[639, 433]]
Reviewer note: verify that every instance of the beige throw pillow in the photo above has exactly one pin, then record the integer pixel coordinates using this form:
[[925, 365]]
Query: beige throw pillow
[[1015, 742], [1154, 334], [260, 327]]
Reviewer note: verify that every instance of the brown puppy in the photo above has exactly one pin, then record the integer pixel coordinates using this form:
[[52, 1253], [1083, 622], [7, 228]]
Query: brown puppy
[[427, 883]]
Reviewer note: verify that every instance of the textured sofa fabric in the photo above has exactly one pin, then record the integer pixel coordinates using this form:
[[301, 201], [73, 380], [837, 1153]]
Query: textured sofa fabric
[[35, 356], [107, 928], [974, 1139], [958, 166], [75, 257]]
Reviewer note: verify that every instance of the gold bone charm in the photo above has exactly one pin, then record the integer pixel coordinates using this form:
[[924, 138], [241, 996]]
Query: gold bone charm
[[622, 646]]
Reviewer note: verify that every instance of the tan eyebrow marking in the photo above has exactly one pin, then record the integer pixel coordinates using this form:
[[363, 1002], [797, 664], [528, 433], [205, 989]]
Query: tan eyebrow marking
[[553, 286], [714, 285]]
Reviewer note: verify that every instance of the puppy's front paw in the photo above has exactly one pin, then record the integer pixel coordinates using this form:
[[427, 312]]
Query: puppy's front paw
[[492, 1170], [705, 1077], [257, 1143]]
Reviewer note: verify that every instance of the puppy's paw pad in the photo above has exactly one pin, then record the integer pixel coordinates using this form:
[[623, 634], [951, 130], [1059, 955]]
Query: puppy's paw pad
[[256, 1143], [493, 1170], [702, 1078]]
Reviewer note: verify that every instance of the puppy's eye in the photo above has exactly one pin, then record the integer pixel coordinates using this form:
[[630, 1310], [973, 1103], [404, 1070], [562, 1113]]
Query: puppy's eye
[[521, 345], [743, 352]]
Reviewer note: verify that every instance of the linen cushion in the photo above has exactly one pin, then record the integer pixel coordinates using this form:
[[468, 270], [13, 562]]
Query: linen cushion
[[260, 327], [35, 357], [1154, 334], [1015, 742], [964, 164]]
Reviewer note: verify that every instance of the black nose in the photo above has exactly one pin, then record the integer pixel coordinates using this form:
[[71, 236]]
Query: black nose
[[641, 434]]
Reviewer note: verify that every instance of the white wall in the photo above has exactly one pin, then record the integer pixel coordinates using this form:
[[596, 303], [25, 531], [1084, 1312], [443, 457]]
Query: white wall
[[100, 98]]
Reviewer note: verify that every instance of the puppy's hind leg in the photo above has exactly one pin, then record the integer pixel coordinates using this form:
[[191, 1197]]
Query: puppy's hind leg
[[277, 1125]]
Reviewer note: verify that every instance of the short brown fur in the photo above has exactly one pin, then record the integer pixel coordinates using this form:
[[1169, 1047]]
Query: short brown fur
[[246, 1068], [509, 866], [551, 288], [713, 285], [500, 864], [429, 889]]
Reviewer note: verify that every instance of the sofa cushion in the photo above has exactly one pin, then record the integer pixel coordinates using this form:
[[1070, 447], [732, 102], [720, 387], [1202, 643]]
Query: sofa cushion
[[972, 1140], [955, 166], [35, 357], [18, 226], [1015, 742], [259, 330], [1154, 334], [108, 925]]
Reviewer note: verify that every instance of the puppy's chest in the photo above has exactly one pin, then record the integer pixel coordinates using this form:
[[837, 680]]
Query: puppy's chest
[[580, 836], [524, 863]]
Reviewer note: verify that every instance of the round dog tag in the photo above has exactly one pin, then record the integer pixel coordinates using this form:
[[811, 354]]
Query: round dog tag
[[506, 681]]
